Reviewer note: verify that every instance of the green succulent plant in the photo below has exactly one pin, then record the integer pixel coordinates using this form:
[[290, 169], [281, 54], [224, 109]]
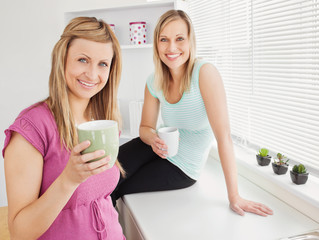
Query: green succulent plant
[[281, 159], [263, 152], [299, 169]]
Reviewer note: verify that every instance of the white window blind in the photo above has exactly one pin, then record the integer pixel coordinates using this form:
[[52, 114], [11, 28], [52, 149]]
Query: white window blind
[[268, 55]]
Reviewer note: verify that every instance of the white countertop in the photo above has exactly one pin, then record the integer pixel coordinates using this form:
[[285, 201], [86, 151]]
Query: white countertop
[[201, 212]]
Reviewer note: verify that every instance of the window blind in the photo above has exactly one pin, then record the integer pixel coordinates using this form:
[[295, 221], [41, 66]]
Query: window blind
[[268, 55]]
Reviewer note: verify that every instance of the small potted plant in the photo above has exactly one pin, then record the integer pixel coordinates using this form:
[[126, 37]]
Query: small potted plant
[[280, 165], [299, 174], [262, 157]]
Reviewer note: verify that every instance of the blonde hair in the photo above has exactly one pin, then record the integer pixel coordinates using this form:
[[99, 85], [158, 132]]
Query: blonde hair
[[103, 105], [162, 73]]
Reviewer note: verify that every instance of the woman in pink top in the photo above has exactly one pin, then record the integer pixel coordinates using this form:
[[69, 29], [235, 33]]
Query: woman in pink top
[[53, 193]]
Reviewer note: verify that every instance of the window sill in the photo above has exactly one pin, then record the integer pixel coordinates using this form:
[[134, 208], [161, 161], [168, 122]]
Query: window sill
[[304, 198]]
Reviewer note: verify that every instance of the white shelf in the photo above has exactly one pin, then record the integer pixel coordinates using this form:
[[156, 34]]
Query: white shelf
[[121, 16], [106, 6], [136, 46]]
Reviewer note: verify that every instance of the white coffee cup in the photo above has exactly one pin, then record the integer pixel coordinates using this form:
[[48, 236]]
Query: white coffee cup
[[170, 135]]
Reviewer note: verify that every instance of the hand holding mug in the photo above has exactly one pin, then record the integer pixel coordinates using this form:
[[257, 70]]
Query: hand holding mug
[[159, 147], [80, 166]]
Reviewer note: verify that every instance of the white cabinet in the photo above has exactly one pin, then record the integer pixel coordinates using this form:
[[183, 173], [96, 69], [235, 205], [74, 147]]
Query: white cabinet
[[137, 60]]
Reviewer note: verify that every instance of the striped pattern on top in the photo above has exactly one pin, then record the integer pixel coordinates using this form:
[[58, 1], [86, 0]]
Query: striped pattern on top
[[189, 116]]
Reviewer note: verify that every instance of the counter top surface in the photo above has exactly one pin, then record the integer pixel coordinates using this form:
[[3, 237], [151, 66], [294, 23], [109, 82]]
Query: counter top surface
[[201, 212]]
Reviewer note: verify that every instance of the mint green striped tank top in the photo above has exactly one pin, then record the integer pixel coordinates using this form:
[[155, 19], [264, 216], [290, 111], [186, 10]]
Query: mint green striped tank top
[[189, 116]]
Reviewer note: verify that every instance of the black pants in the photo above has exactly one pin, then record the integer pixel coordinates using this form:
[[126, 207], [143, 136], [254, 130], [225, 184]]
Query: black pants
[[146, 171]]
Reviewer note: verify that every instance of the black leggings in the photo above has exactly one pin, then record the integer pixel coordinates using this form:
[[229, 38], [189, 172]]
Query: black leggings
[[146, 171]]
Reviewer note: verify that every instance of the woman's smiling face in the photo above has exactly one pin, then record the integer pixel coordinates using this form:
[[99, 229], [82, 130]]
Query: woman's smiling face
[[87, 68], [173, 44]]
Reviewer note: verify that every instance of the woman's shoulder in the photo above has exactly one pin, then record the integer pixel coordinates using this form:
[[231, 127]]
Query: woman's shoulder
[[37, 114], [200, 66], [203, 66], [35, 110], [204, 71], [201, 63], [35, 123]]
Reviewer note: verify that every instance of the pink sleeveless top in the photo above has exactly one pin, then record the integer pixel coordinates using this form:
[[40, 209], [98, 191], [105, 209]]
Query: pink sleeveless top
[[89, 214]]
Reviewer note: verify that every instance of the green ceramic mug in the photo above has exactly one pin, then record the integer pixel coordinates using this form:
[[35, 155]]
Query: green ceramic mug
[[103, 135]]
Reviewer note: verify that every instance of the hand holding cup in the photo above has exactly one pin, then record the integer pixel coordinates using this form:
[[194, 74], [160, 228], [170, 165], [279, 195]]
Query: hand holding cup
[[80, 166]]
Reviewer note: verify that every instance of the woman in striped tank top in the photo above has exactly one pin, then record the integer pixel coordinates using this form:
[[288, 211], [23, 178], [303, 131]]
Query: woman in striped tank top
[[190, 94]]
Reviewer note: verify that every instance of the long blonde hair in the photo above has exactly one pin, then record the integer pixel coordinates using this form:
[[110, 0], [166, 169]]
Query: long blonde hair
[[162, 73], [101, 106]]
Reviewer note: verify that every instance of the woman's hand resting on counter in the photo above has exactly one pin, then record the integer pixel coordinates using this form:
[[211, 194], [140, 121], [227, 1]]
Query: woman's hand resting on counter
[[240, 206]]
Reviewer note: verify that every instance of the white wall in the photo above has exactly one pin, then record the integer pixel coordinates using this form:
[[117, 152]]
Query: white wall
[[29, 30]]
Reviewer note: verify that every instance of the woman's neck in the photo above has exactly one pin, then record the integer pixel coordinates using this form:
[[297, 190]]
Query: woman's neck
[[177, 74], [79, 110]]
